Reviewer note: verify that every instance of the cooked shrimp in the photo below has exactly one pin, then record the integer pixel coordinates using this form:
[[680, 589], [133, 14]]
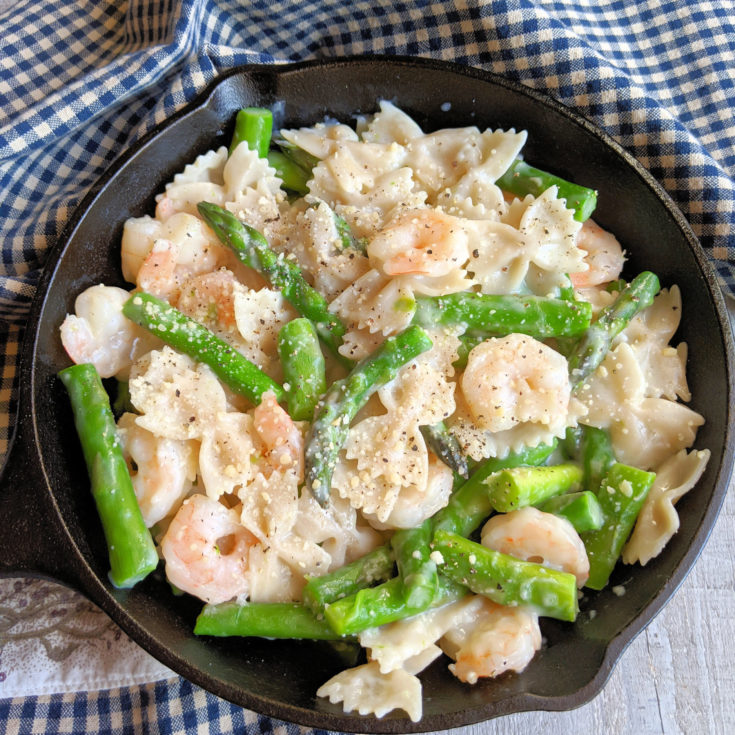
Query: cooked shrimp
[[498, 639], [532, 535], [604, 257], [209, 299], [165, 208], [157, 274], [206, 550], [99, 333], [162, 470], [513, 380], [283, 440], [194, 247], [423, 242]]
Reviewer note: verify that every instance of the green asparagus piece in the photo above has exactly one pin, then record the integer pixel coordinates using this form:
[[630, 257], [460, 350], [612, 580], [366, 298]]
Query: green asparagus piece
[[122, 402], [446, 447], [346, 397], [470, 504], [505, 579], [303, 366], [467, 342], [571, 444], [252, 249], [515, 488], [131, 549], [594, 344], [293, 177], [253, 125], [386, 603], [521, 179], [376, 566], [187, 336], [263, 620], [347, 237], [581, 509], [621, 496], [298, 155], [597, 456], [416, 568], [536, 316]]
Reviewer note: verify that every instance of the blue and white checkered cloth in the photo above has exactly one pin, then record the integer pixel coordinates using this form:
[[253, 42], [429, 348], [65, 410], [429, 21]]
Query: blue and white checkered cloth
[[80, 81]]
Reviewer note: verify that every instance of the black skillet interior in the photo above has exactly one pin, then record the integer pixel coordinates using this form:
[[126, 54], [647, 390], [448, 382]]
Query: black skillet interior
[[281, 678]]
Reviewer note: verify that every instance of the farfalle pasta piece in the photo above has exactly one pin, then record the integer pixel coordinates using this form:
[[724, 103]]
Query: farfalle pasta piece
[[226, 454], [648, 334], [317, 245], [270, 505], [365, 689], [322, 139], [199, 181], [336, 528], [644, 430], [463, 159], [367, 180], [386, 455], [269, 578], [259, 316], [177, 397], [391, 125], [376, 303], [534, 246], [658, 520], [395, 644]]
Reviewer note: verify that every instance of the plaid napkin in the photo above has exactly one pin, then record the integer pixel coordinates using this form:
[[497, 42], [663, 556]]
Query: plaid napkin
[[81, 81]]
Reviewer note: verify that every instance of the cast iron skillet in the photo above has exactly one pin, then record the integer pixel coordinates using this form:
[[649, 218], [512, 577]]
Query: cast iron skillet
[[50, 527]]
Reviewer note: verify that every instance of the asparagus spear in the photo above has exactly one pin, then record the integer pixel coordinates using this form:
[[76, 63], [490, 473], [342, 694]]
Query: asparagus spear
[[263, 620], [446, 447], [597, 456], [470, 504], [376, 566], [621, 496], [594, 344], [521, 179], [253, 125], [416, 568], [187, 336], [303, 367], [505, 579], [131, 549], [582, 510], [345, 398], [386, 603], [253, 250], [487, 314], [347, 237], [515, 488], [293, 176], [122, 402]]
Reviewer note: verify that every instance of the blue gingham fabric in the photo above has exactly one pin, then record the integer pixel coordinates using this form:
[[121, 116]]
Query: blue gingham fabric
[[81, 81]]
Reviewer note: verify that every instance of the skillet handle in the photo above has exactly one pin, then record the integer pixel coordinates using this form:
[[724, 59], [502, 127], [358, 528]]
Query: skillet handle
[[33, 541]]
